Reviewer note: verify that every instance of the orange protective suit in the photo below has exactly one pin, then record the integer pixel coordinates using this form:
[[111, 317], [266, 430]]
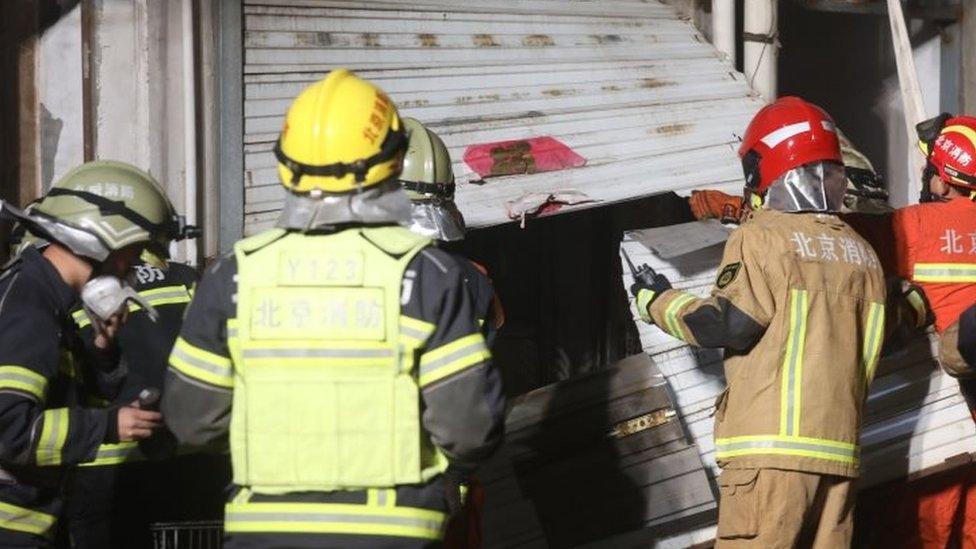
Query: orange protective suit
[[935, 247]]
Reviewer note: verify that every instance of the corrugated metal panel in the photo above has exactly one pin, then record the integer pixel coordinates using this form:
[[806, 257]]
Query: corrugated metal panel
[[626, 84], [915, 416]]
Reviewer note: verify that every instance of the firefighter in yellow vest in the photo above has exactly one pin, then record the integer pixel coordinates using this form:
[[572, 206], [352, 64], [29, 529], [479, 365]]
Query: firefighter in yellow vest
[[798, 306], [338, 352]]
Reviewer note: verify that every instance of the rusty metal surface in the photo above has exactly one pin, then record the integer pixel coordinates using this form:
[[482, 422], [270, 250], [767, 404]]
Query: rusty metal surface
[[626, 84]]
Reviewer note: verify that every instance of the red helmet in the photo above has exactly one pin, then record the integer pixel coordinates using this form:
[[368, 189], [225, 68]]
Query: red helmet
[[954, 152], [786, 134]]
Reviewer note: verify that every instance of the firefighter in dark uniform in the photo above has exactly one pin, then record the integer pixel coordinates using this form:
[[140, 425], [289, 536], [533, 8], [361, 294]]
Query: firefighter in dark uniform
[[97, 218], [428, 178], [338, 351], [128, 487]]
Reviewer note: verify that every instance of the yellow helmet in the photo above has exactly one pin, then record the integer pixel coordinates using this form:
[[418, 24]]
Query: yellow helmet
[[341, 134]]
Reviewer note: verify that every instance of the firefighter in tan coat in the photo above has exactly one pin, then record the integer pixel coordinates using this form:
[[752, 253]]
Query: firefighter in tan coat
[[798, 306]]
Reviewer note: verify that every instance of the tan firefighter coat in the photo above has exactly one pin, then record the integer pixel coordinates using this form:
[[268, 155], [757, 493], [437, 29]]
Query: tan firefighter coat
[[798, 306]]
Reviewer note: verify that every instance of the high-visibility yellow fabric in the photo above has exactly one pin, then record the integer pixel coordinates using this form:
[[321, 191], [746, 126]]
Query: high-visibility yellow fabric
[[22, 519], [380, 517], [114, 454], [157, 297], [325, 386], [23, 380], [201, 365], [54, 431]]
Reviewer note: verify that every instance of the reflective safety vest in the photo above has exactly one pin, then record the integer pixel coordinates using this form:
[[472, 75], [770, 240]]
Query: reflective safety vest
[[935, 247], [325, 385]]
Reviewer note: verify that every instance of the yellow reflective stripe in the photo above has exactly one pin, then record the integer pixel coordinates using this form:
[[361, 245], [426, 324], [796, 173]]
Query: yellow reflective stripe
[[818, 448], [54, 431], [243, 496], [452, 358], [201, 365], [945, 272], [80, 318], [157, 297], [18, 378], [415, 331], [644, 299], [22, 519], [381, 497], [671, 314], [790, 392], [114, 454], [333, 518], [873, 334], [233, 329]]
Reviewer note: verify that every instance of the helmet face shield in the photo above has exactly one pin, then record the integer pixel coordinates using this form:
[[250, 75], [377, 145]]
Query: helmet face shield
[[440, 220], [383, 203], [813, 187]]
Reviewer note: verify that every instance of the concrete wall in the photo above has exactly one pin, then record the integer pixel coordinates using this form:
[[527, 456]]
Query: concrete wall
[[59, 77], [138, 99]]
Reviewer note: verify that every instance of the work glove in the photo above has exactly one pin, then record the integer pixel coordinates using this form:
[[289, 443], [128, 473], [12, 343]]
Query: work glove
[[646, 290], [715, 205], [915, 297]]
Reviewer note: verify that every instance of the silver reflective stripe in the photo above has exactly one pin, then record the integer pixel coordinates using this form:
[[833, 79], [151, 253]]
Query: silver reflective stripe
[[381, 497], [50, 442], [874, 335], [156, 296], [243, 516], [231, 333], [962, 273], [784, 445], [446, 360], [223, 371], [123, 451], [415, 333], [26, 380], [28, 518], [318, 353], [794, 358]]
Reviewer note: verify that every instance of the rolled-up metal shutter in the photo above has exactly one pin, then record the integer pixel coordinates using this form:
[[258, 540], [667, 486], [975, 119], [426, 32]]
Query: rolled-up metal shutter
[[627, 84]]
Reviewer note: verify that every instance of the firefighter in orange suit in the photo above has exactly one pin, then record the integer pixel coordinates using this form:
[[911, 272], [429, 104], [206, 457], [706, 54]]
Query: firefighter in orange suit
[[935, 248], [935, 242], [798, 306]]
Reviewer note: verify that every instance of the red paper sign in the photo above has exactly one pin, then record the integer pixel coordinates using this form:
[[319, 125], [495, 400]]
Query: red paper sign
[[521, 156]]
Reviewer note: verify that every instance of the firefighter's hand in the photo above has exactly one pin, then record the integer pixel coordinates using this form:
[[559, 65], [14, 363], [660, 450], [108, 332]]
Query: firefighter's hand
[[137, 424], [715, 205], [105, 330], [646, 292]]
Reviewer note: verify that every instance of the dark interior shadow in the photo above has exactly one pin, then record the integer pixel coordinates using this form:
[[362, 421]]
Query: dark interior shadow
[[567, 320]]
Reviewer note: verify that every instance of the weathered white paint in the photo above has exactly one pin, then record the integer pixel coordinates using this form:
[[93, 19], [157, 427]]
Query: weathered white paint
[[630, 86], [723, 27], [59, 79], [908, 82], [188, 75], [141, 96], [903, 174], [759, 58]]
